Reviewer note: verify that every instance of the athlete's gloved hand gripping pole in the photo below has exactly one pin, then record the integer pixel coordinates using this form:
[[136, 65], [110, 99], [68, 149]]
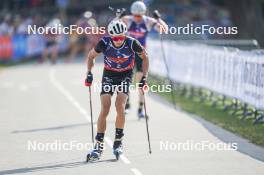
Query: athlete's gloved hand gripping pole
[[162, 27], [120, 12]]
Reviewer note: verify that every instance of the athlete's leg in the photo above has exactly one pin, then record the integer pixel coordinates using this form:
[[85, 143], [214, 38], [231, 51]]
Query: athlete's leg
[[105, 107], [138, 76], [120, 122], [127, 106], [140, 96], [44, 55], [120, 109], [54, 53], [101, 126]]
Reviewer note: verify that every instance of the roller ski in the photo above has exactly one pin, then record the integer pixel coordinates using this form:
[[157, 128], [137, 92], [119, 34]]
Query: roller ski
[[96, 152], [117, 149]]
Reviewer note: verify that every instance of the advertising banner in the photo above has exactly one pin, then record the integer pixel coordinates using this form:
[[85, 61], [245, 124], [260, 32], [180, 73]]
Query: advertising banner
[[231, 72], [6, 49], [19, 47]]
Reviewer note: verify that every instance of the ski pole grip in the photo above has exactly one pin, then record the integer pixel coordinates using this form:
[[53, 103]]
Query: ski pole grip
[[156, 14], [120, 12]]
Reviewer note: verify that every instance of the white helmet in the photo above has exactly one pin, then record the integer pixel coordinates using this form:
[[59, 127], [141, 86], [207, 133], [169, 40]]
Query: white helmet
[[138, 8], [117, 27]]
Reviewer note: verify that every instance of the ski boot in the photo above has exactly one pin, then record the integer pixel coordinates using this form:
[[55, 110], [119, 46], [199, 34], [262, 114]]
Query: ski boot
[[96, 152], [140, 114], [117, 148]]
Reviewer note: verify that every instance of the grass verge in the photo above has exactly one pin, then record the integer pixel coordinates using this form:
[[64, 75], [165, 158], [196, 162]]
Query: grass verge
[[1, 67]]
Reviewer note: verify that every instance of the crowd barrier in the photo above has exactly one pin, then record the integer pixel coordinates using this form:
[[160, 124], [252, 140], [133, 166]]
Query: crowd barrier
[[14, 48], [235, 73]]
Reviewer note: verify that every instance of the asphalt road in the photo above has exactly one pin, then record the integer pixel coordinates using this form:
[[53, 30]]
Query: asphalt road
[[48, 104]]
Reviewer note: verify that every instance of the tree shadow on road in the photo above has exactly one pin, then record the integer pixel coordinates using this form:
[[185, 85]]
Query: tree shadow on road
[[53, 167]]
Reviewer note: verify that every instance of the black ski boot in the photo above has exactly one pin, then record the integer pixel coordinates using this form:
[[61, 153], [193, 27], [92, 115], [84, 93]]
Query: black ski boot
[[140, 113]]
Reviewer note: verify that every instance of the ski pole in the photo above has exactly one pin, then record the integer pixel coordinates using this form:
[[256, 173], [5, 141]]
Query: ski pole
[[91, 113], [157, 16], [167, 70], [119, 13], [146, 119]]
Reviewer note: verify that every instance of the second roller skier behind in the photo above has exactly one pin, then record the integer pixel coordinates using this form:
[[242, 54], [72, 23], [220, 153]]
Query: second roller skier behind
[[139, 25]]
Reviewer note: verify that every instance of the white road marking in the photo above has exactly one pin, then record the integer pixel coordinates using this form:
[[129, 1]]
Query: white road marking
[[136, 171], [68, 95]]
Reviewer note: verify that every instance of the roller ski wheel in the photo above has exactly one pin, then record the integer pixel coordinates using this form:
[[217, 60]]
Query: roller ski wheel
[[117, 155], [118, 149], [95, 154]]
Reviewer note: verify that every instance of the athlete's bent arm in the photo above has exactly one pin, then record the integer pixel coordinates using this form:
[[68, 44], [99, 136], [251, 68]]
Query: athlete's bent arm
[[90, 59], [145, 62], [161, 26], [125, 19], [139, 49]]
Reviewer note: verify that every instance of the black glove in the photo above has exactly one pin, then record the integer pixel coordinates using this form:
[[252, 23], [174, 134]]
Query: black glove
[[120, 12], [156, 14], [89, 79], [143, 82]]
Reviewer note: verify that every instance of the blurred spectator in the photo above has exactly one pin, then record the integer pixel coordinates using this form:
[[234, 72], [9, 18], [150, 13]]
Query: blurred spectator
[[16, 15], [83, 42], [52, 42], [6, 27], [21, 24]]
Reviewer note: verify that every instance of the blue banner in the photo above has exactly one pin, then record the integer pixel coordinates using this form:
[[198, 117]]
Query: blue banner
[[19, 47]]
